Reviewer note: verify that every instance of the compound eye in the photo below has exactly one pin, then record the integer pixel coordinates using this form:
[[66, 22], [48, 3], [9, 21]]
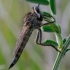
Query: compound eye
[[37, 9]]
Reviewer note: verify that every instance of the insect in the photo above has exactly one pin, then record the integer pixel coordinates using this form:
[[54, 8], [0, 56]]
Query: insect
[[32, 20]]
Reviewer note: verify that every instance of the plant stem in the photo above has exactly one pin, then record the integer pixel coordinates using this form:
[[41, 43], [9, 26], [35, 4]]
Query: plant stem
[[57, 61], [60, 55]]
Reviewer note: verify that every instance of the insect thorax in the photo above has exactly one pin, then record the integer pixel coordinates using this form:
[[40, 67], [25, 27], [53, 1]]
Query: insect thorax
[[32, 19]]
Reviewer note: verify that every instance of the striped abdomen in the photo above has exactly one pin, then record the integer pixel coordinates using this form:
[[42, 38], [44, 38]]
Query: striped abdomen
[[22, 40]]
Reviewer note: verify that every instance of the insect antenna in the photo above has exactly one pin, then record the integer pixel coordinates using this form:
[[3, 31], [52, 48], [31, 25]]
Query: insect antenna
[[38, 5]]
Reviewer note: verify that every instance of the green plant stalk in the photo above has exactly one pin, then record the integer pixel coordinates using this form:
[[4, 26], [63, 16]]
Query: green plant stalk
[[60, 55], [59, 40], [57, 29]]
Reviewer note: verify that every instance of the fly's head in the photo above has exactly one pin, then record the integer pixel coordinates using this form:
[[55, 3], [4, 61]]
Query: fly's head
[[37, 11], [33, 18]]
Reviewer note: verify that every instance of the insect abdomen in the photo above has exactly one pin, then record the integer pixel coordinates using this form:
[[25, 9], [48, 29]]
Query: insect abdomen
[[21, 45]]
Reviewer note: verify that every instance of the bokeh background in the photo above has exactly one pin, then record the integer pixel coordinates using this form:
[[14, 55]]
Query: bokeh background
[[34, 57]]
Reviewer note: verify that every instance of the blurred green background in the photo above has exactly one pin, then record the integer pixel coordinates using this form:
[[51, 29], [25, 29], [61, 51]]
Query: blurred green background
[[34, 57]]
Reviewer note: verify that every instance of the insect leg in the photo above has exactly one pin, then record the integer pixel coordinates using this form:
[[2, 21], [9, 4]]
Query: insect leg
[[39, 41], [39, 36], [48, 22]]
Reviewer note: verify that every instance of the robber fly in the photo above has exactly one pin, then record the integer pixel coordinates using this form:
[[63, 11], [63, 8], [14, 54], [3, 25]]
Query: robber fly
[[32, 20]]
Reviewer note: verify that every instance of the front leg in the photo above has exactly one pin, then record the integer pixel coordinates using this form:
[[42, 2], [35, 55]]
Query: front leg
[[39, 41], [48, 22]]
